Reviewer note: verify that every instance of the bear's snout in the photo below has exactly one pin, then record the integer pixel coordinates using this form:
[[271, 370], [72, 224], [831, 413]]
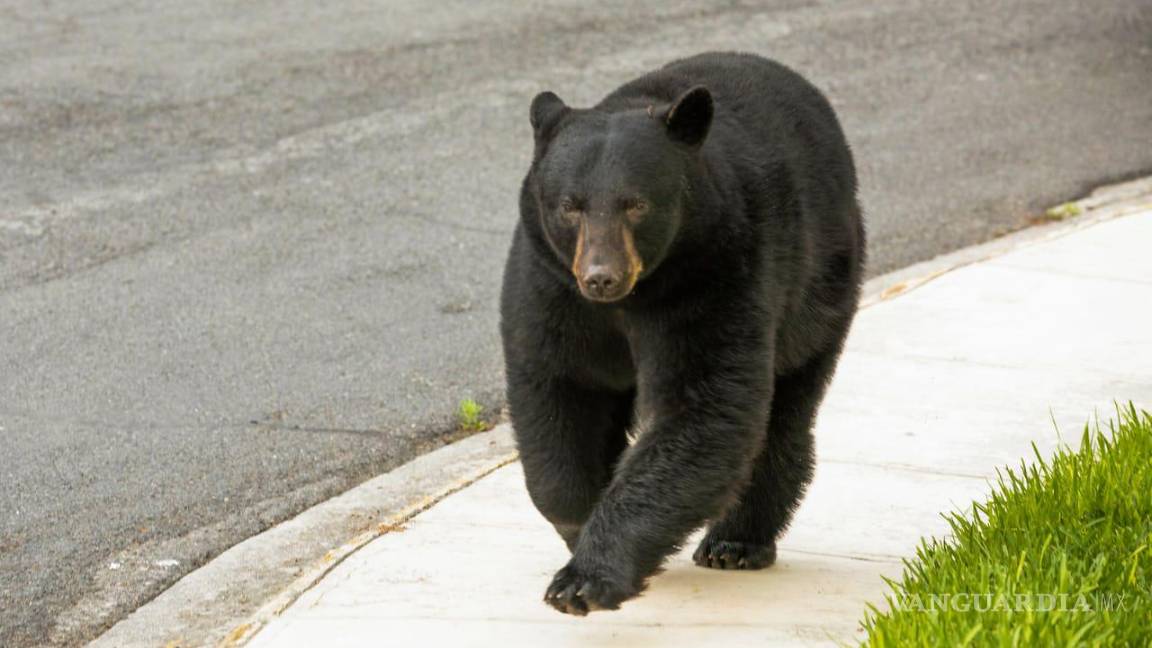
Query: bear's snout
[[601, 282], [606, 263]]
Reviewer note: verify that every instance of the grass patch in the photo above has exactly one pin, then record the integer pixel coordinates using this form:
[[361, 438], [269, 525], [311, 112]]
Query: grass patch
[[1060, 555], [1065, 211], [470, 416]]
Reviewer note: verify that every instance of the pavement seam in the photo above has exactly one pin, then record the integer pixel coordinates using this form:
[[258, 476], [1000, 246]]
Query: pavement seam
[[928, 470], [987, 364], [880, 558], [1072, 275]]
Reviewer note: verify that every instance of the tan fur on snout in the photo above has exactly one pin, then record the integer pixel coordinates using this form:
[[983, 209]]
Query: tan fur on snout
[[635, 263], [578, 258]]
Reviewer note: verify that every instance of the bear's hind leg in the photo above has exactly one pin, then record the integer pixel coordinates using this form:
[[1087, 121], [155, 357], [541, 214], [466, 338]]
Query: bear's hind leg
[[745, 538]]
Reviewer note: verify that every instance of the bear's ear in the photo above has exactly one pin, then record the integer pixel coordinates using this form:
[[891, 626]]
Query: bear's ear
[[690, 116], [545, 113]]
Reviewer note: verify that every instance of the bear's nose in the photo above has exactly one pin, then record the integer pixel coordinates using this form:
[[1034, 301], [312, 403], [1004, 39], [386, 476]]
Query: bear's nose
[[601, 281]]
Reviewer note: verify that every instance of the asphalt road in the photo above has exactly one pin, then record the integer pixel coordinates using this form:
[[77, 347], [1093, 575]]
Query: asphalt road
[[249, 252]]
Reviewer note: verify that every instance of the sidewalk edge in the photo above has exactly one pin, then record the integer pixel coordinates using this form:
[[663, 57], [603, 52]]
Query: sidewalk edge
[[241, 634], [229, 599], [1103, 204]]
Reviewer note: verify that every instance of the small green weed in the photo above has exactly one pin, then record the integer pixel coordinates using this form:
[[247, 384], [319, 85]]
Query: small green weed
[[1065, 211], [470, 416]]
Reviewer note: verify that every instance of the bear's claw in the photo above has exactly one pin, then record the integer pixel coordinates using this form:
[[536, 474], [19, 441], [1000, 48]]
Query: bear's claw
[[573, 592], [730, 554]]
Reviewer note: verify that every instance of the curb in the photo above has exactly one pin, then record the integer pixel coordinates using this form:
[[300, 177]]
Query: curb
[[1104, 203], [219, 604], [229, 599], [475, 469]]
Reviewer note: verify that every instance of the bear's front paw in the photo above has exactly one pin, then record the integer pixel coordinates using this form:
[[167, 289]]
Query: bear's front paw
[[578, 591], [730, 554]]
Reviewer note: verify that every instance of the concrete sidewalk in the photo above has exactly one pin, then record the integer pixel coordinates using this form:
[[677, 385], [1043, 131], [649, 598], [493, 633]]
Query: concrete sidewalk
[[939, 387]]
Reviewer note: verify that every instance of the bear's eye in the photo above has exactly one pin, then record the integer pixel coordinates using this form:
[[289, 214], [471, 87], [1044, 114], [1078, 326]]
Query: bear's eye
[[569, 212], [636, 211]]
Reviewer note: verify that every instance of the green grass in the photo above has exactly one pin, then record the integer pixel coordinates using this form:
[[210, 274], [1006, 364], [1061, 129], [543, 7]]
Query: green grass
[[1065, 211], [1060, 555], [470, 416]]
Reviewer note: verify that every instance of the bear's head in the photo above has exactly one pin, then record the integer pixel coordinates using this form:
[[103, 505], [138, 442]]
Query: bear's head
[[610, 187]]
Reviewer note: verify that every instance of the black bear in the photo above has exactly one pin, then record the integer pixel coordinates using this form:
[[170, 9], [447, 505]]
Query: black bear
[[685, 269]]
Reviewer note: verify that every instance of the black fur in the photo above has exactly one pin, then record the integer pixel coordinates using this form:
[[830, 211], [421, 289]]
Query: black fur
[[734, 181]]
